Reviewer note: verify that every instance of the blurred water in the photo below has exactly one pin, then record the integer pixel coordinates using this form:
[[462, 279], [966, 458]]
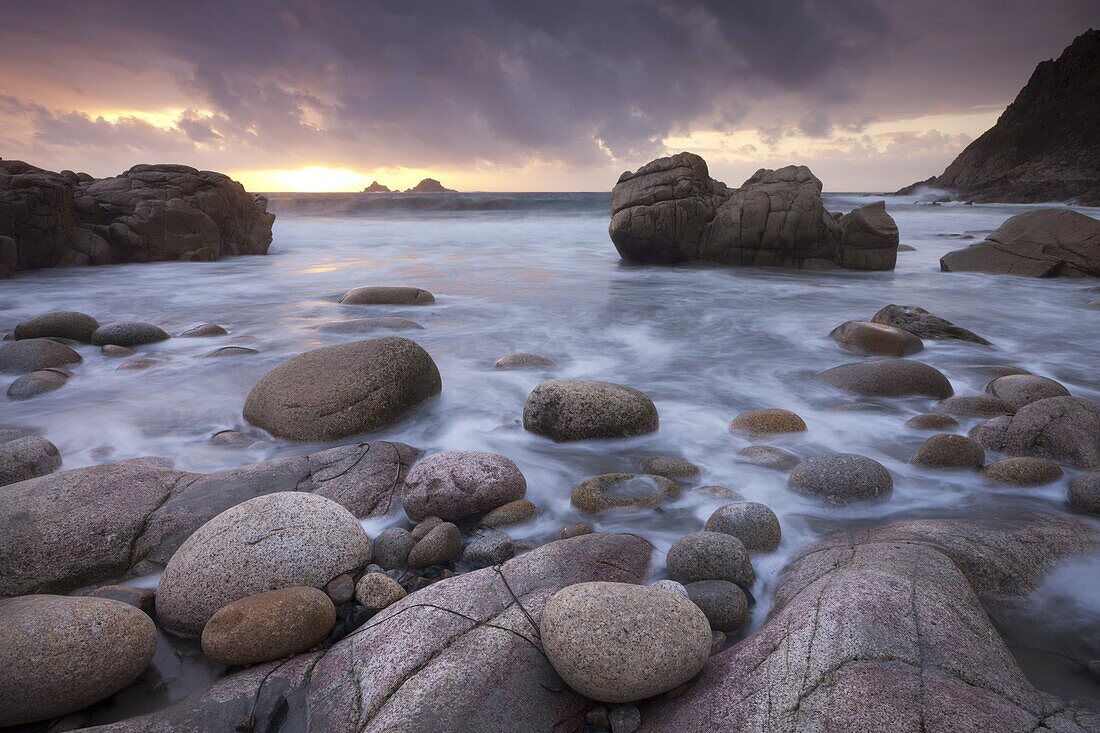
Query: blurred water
[[705, 342]]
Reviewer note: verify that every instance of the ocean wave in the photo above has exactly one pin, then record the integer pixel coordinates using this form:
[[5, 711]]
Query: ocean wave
[[386, 204]]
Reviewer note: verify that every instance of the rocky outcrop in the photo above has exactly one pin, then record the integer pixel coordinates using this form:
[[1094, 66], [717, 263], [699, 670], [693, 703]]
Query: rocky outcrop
[[893, 615], [376, 187], [148, 213], [671, 210], [89, 525], [1046, 144], [429, 185], [1040, 243]]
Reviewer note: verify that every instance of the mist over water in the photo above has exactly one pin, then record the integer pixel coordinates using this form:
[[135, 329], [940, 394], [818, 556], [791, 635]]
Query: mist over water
[[537, 272]]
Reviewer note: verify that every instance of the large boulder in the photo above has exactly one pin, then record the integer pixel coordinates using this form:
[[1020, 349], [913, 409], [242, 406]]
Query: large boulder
[[617, 642], [585, 409], [148, 213], [281, 540], [1040, 243], [889, 378], [341, 390], [57, 324], [88, 525], [59, 654], [1065, 429], [892, 615], [128, 333], [32, 355], [671, 209], [1018, 390], [841, 478], [875, 339], [387, 295], [457, 484]]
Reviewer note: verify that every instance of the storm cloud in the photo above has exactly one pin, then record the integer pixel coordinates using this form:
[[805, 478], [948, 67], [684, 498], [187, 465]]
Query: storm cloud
[[492, 82]]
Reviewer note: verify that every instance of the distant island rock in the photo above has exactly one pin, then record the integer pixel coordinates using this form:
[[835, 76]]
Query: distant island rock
[[671, 210], [149, 213], [1040, 243], [1046, 144], [429, 185], [376, 187]]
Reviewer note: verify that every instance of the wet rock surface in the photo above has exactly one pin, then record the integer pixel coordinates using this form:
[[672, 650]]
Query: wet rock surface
[[454, 485], [31, 355], [671, 210], [1040, 243], [1064, 429], [889, 378], [149, 213], [841, 478], [585, 409], [921, 323], [268, 626]]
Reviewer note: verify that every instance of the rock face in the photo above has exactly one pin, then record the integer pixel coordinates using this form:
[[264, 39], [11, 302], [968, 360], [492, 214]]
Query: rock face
[[60, 653], [281, 540], [617, 642], [1046, 144], [585, 409], [74, 528], [894, 614], [671, 210], [336, 391], [457, 484], [1040, 243], [429, 185], [1065, 429], [148, 213]]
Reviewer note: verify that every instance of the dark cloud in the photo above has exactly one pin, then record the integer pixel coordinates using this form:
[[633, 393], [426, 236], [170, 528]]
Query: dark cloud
[[499, 82]]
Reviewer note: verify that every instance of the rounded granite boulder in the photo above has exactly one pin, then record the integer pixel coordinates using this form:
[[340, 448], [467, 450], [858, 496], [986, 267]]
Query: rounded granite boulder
[[710, 556], [948, 451], [975, 405], [523, 360], [889, 378], [26, 457], [618, 490], [753, 523], [387, 295], [585, 409], [58, 324], [128, 333], [1084, 492], [767, 421], [768, 456], [280, 540], [1017, 390], [59, 654], [671, 468], [370, 325], [722, 602], [341, 390], [875, 339], [1064, 429], [453, 485], [931, 421], [269, 625], [204, 330], [37, 383], [32, 355], [841, 478], [1022, 471], [617, 642]]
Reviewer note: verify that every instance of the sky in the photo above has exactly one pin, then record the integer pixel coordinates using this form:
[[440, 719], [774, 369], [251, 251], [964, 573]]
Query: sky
[[516, 95]]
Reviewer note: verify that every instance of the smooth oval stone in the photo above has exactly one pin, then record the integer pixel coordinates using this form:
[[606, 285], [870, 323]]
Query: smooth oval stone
[[376, 591], [514, 512], [722, 602], [337, 391], [889, 378], [128, 333], [950, 451], [749, 521], [616, 490], [489, 549], [975, 405], [387, 295], [36, 383], [1084, 492], [931, 421], [586, 409], [671, 468], [32, 355], [25, 457], [841, 478], [710, 556], [392, 547], [59, 324], [138, 364], [231, 351], [204, 330], [1022, 471], [767, 421], [453, 485], [267, 626], [616, 642], [524, 360], [116, 352], [1017, 390], [442, 544], [59, 654], [875, 339], [768, 456]]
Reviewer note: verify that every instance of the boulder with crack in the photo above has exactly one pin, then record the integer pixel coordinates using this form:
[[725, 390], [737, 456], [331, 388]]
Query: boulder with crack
[[66, 530], [671, 210], [888, 630], [1040, 243]]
